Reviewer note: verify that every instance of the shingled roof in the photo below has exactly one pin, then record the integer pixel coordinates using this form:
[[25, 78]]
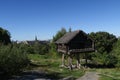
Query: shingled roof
[[68, 37]]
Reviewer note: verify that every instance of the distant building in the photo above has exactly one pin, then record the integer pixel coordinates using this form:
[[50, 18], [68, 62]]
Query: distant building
[[32, 42]]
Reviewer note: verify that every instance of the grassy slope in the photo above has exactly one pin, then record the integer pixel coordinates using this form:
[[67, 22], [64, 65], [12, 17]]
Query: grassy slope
[[109, 74], [51, 65]]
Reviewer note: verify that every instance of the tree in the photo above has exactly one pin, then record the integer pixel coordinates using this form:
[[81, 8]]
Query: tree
[[4, 36], [103, 41], [104, 44], [52, 45], [12, 59], [59, 34], [116, 52], [104, 59]]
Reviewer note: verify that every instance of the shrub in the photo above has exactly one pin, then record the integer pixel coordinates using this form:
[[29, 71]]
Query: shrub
[[105, 59], [116, 53], [12, 59]]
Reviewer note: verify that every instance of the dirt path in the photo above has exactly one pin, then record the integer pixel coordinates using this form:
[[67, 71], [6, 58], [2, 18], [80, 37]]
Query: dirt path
[[38, 75], [90, 76]]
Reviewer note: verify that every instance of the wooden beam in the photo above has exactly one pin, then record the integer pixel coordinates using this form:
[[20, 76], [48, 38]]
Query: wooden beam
[[81, 50], [63, 51], [86, 60], [69, 61]]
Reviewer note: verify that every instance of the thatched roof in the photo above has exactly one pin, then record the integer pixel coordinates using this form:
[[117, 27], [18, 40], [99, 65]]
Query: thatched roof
[[68, 37]]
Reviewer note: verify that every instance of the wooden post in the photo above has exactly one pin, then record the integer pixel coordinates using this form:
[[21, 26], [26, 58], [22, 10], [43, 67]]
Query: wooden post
[[78, 61], [63, 60], [69, 61], [93, 45], [85, 60]]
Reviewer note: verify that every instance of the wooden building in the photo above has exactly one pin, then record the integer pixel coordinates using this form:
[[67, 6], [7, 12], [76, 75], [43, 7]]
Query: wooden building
[[75, 42]]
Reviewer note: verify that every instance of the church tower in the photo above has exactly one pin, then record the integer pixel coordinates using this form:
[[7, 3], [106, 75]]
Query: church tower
[[36, 38]]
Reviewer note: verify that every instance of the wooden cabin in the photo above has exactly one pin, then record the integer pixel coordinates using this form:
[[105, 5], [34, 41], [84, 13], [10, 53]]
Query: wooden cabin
[[75, 42]]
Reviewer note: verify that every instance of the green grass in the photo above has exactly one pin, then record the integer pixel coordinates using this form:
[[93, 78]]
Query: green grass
[[51, 65], [109, 74], [103, 77]]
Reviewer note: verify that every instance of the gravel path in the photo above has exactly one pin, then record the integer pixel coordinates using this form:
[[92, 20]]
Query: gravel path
[[90, 76]]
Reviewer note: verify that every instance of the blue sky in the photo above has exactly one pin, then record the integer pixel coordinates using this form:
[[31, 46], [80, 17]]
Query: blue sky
[[26, 19]]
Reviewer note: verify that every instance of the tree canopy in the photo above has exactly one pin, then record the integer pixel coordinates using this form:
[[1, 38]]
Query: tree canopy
[[116, 52], [103, 41], [59, 34], [4, 36]]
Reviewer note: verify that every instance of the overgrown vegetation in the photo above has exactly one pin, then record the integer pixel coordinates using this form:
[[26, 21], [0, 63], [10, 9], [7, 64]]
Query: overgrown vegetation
[[109, 74], [16, 57], [36, 48], [50, 65], [4, 36], [116, 52], [104, 43], [12, 59]]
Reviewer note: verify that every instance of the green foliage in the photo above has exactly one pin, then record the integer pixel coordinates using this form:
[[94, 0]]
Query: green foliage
[[4, 36], [53, 51], [103, 41], [104, 59], [51, 65], [40, 48], [59, 34], [12, 59], [44, 49], [116, 52], [103, 77], [109, 74], [36, 48]]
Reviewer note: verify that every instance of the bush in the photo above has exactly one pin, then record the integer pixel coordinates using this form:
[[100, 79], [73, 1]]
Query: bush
[[12, 59], [116, 53], [104, 59]]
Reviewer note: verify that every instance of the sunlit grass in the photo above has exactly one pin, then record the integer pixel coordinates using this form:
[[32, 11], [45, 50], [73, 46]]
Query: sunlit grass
[[51, 66], [109, 74], [103, 77]]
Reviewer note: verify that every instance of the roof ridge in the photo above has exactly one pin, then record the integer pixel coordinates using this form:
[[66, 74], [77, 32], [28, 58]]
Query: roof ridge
[[68, 37]]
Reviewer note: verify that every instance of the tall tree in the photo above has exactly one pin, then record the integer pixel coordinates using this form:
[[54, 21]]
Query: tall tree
[[116, 52], [103, 41], [104, 44], [4, 36], [59, 34]]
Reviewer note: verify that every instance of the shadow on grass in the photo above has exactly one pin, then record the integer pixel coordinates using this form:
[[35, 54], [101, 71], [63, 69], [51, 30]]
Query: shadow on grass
[[34, 75], [99, 66], [38, 65]]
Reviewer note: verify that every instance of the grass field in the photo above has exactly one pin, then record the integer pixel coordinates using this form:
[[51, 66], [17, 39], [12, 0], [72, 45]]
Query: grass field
[[51, 65], [109, 74]]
